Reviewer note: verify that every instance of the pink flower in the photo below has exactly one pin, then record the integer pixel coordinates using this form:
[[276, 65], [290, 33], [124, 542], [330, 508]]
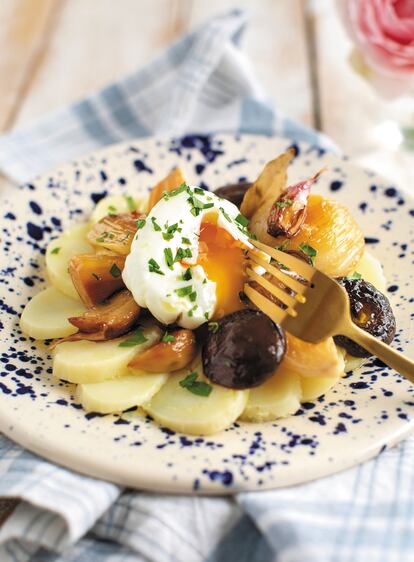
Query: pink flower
[[383, 31]]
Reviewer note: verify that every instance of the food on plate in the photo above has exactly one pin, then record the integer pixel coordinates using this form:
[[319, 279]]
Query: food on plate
[[243, 349], [370, 310], [147, 308]]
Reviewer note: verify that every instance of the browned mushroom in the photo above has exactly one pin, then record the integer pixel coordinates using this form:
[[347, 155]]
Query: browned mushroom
[[96, 276], [175, 351], [173, 180], [115, 232]]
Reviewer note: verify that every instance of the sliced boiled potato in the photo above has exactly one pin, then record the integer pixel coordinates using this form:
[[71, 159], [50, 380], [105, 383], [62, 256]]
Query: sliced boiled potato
[[278, 397], [114, 204], [46, 315], [71, 243], [313, 387], [93, 362], [180, 410], [120, 394], [371, 270]]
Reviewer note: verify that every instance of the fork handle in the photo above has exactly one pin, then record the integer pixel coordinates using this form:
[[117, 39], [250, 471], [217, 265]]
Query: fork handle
[[386, 353]]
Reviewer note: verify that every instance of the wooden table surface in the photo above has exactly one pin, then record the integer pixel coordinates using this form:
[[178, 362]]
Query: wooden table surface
[[53, 52]]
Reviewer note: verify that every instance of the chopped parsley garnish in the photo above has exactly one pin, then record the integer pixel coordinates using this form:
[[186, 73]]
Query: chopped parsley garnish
[[97, 277], [184, 291], [112, 210], [169, 259], [154, 267], [283, 246], [185, 240], [55, 250], [137, 338], [200, 388], [193, 296], [308, 251], [115, 271], [199, 191], [141, 223], [283, 204], [205, 281], [213, 327], [156, 226], [105, 235], [206, 315], [241, 219], [183, 187], [170, 231], [167, 338], [130, 202], [354, 276], [183, 253], [187, 275], [225, 215]]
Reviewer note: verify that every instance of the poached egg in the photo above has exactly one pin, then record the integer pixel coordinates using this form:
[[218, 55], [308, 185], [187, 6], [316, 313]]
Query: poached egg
[[186, 263]]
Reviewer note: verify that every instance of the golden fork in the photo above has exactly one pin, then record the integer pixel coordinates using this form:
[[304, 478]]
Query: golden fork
[[315, 310]]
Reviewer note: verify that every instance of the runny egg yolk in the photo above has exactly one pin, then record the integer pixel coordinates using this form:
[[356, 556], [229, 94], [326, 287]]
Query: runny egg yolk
[[223, 259]]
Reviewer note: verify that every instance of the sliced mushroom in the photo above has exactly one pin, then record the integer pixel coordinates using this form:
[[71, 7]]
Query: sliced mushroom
[[167, 356], [96, 277], [115, 232]]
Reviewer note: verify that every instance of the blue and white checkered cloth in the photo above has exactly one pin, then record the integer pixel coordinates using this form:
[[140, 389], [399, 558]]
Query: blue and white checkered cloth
[[201, 83]]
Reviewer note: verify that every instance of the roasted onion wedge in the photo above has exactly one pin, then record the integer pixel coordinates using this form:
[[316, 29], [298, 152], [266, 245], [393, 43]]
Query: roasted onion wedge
[[113, 318], [173, 180], [175, 351], [96, 277], [115, 232]]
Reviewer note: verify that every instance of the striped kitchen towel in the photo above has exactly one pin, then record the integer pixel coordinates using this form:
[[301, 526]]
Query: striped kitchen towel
[[202, 83]]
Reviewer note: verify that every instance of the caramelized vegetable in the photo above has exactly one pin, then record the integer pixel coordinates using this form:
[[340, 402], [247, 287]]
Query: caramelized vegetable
[[289, 211], [96, 277], [371, 311], [175, 351], [329, 235], [173, 180], [115, 232], [113, 318], [312, 359], [268, 186]]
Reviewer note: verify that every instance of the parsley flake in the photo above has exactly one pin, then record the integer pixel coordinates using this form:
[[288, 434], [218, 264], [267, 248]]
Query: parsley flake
[[241, 219], [308, 251], [354, 276], [187, 275], [167, 338], [169, 259], [137, 338], [284, 203], [112, 210], [140, 223], [185, 240], [131, 203], [55, 250], [200, 388], [156, 226], [115, 271], [225, 215], [184, 291], [153, 267], [283, 247]]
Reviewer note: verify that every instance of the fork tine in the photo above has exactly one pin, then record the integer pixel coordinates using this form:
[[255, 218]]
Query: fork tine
[[272, 310], [279, 274], [305, 270], [275, 291]]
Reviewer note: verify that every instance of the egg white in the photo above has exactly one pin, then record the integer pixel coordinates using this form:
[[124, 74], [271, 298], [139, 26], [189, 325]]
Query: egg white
[[158, 291]]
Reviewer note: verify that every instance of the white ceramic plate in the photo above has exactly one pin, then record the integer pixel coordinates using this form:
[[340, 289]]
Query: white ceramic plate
[[366, 412]]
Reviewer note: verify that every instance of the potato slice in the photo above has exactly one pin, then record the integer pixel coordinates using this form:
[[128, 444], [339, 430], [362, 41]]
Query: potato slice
[[92, 362], [180, 410], [114, 204], [58, 254], [46, 315], [278, 397], [371, 270], [171, 181], [120, 394]]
